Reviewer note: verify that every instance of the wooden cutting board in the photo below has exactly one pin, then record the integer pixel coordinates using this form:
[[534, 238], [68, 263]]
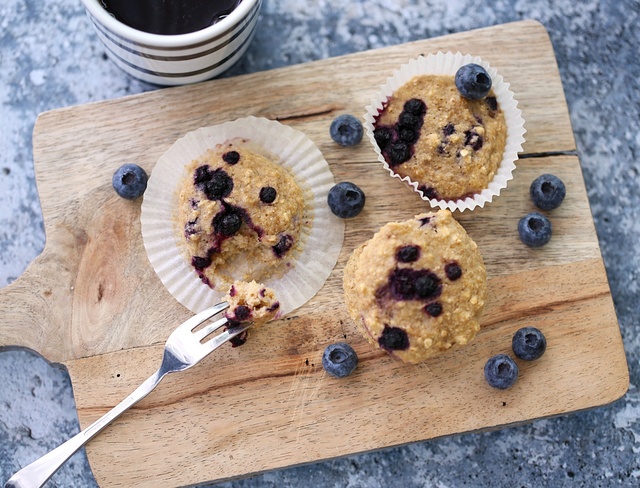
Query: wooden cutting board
[[92, 302]]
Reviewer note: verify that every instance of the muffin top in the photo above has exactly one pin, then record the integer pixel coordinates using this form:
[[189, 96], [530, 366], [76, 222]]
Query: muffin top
[[417, 287], [451, 146], [238, 210]]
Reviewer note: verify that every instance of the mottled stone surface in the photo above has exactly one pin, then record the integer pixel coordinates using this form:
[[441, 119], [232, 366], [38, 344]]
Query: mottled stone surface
[[50, 58]]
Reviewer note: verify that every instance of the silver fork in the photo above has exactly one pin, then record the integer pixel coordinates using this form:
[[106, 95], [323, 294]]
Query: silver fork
[[182, 351]]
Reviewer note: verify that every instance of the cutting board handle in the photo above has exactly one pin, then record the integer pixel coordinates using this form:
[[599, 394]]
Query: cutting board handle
[[91, 266]]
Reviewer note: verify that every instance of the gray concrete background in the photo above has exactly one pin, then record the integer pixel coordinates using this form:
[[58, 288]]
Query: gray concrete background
[[50, 58]]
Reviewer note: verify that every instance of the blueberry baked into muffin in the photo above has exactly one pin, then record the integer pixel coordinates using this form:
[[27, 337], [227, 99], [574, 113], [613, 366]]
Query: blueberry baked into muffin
[[417, 287], [239, 210], [450, 145]]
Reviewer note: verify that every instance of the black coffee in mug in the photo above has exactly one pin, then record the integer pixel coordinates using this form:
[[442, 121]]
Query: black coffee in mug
[[169, 16]]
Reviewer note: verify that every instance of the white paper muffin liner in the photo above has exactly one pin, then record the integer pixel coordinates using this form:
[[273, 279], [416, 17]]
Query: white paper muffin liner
[[448, 64], [321, 240]]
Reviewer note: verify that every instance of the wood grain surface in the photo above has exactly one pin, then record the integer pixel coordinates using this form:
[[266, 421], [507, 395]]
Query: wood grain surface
[[92, 302]]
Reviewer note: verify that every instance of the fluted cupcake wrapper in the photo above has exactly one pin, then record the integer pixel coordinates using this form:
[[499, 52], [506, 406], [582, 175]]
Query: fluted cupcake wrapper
[[448, 64], [322, 233]]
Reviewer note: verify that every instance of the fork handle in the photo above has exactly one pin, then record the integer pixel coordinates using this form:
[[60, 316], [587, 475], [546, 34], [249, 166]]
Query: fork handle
[[38, 472]]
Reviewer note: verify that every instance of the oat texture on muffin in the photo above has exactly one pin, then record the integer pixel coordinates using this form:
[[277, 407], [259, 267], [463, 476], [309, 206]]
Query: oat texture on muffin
[[250, 302], [417, 287], [451, 146], [237, 208]]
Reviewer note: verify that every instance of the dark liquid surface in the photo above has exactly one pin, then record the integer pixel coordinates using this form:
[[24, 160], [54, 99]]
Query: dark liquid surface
[[169, 17]]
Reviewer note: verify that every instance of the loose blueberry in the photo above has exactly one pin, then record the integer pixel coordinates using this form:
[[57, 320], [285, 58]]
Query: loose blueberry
[[129, 181], [346, 200], [339, 360], [501, 371], [393, 339], [473, 81], [346, 130], [529, 343], [547, 192], [268, 194], [534, 229], [408, 254]]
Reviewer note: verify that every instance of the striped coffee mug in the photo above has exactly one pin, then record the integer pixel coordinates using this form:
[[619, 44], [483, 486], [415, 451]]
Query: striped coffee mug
[[176, 59]]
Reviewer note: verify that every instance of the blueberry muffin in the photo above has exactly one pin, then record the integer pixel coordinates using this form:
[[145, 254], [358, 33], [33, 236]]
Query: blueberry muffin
[[243, 200], [239, 210], [417, 287], [450, 145]]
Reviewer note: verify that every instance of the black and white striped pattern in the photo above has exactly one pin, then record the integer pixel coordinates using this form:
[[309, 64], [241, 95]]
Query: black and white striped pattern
[[176, 59]]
